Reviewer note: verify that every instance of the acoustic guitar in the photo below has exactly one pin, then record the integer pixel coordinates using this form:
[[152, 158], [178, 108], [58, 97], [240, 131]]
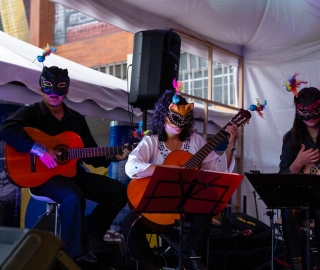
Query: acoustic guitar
[[27, 170], [312, 168], [137, 187]]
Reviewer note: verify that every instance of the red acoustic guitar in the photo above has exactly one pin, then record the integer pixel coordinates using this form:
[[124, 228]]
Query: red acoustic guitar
[[137, 187], [27, 170]]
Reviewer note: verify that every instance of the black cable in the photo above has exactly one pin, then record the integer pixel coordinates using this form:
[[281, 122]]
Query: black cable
[[127, 240]]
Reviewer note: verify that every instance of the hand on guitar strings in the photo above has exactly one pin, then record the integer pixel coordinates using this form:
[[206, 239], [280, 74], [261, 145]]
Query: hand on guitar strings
[[50, 158]]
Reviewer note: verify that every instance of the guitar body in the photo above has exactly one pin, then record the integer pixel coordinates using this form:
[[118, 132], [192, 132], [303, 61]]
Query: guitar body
[[18, 165], [137, 187], [312, 168]]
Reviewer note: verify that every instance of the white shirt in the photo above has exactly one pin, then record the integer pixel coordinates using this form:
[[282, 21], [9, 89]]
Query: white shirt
[[151, 151]]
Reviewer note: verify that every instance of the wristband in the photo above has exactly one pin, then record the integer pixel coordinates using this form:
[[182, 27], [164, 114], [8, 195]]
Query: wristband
[[38, 149]]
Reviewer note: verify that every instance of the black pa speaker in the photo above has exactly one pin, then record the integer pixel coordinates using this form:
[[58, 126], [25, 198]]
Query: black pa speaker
[[241, 242], [155, 63], [24, 249]]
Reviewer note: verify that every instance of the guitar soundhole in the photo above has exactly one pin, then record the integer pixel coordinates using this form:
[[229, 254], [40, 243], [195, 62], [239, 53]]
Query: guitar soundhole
[[64, 156]]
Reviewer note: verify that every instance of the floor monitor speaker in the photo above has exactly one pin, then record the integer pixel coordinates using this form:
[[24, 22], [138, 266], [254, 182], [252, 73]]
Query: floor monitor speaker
[[155, 63], [24, 249]]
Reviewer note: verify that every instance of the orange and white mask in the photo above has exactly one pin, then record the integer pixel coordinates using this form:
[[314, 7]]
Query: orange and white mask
[[180, 115]]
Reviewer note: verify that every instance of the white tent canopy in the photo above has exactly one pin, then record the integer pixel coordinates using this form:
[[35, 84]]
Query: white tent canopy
[[276, 39], [91, 92]]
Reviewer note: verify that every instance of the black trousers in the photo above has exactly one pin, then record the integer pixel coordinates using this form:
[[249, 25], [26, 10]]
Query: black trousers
[[71, 194], [139, 245], [294, 236]]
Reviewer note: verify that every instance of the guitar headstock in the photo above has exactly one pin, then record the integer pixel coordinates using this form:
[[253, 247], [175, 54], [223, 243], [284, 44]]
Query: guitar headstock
[[242, 117]]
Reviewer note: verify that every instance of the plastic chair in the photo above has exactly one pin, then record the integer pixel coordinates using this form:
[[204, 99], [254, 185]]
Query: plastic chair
[[52, 207]]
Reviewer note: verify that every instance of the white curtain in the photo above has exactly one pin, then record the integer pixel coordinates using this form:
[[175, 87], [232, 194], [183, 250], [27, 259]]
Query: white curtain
[[264, 79]]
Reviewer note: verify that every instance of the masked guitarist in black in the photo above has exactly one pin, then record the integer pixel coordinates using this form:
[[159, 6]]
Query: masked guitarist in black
[[53, 117]]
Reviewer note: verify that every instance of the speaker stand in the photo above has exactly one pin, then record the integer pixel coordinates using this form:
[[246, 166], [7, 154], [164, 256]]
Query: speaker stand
[[144, 118]]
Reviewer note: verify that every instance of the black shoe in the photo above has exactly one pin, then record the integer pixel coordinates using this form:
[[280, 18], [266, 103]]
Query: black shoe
[[98, 246], [88, 257], [195, 262]]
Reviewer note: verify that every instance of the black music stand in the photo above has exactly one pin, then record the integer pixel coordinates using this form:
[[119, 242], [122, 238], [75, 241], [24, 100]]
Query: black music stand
[[295, 191], [185, 191]]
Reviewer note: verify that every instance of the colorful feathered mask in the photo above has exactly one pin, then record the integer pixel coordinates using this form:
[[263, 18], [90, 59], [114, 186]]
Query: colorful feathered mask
[[293, 84], [179, 114], [258, 107]]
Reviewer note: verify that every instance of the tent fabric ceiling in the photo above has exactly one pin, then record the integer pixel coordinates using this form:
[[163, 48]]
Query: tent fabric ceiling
[[232, 24]]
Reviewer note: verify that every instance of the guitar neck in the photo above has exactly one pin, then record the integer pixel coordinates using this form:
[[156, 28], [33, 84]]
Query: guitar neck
[[212, 143], [72, 153]]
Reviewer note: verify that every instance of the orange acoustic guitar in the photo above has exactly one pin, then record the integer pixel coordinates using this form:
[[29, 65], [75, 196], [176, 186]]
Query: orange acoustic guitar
[[27, 170], [137, 187]]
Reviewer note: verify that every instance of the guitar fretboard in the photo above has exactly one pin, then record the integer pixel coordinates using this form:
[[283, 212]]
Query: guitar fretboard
[[73, 153], [198, 158]]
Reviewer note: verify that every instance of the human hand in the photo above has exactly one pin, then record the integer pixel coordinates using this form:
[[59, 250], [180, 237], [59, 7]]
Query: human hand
[[232, 137], [50, 158], [125, 153], [305, 157]]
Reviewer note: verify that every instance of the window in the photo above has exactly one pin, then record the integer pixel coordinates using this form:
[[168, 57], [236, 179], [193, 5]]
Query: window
[[194, 74], [118, 70]]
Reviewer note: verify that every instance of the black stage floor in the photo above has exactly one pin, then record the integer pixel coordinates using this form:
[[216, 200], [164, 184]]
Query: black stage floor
[[241, 243], [248, 259]]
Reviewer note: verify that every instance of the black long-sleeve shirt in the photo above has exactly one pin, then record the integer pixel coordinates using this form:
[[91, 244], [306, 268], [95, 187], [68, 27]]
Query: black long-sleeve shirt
[[38, 116], [288, 155]]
